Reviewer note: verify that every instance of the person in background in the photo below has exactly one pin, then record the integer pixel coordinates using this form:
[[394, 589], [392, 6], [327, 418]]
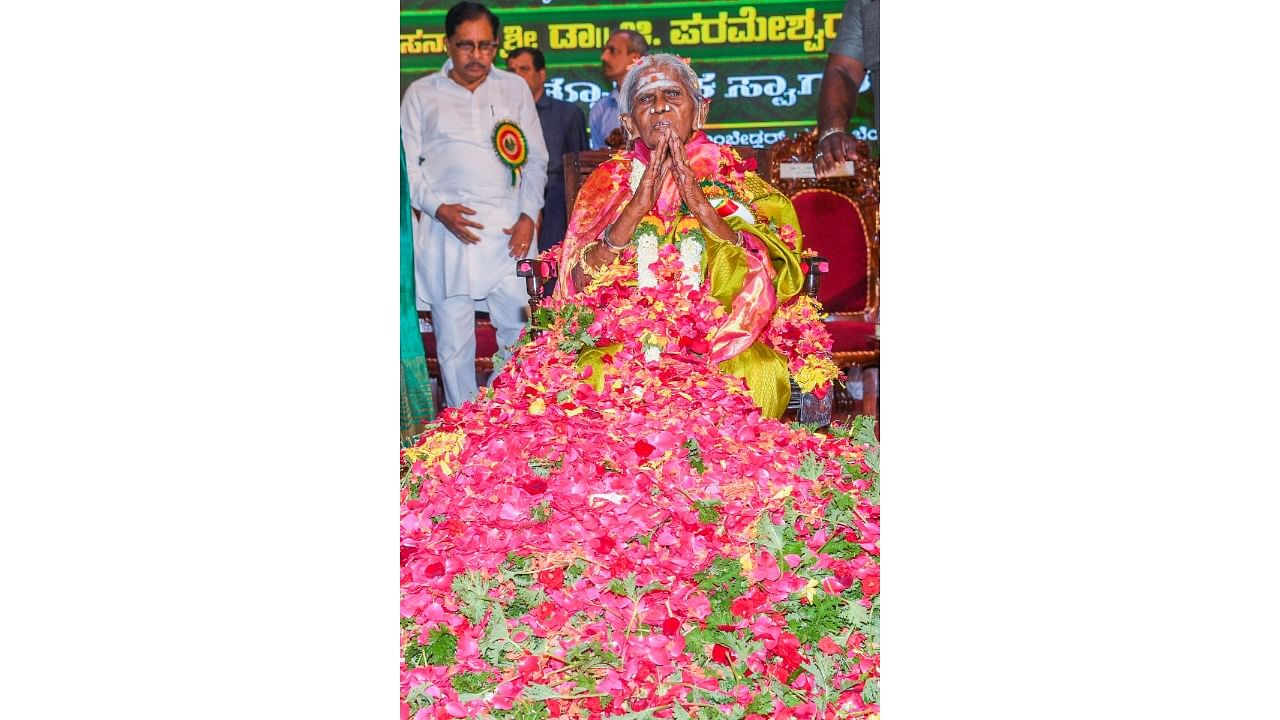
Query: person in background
[[478, 195], [417, 407], [624, 47], [854, 53], [564, 128]]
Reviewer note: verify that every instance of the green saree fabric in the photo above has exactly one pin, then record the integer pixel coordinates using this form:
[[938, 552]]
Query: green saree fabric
[[416, 404]]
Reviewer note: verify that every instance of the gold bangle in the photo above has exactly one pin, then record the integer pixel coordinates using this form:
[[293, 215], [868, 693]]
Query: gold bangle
[[587, 268]]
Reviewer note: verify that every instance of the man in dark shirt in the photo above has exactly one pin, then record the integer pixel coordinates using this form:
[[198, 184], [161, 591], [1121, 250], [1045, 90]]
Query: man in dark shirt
[[854, 52], [563, 128]]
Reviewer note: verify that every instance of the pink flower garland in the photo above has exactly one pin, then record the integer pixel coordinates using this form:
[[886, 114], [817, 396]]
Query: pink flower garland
[[798, 333]]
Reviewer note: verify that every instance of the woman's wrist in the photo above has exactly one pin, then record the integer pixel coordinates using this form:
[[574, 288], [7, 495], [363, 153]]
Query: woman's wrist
[[598, 254], [601, 260], [623, 229], [607, 254], [607, 240], [707, 215]]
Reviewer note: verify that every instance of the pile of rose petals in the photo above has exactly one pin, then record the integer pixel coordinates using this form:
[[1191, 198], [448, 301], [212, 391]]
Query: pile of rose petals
[[652, 549]]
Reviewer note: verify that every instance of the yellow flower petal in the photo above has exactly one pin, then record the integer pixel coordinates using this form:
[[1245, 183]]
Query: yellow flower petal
[[809, 589]]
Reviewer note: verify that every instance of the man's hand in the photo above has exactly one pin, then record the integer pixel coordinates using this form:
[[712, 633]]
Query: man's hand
[[453, 216], [832, 152], [837, 99], [521, 236]]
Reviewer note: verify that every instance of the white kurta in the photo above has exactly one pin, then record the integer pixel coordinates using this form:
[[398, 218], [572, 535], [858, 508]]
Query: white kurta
[[448, 141]]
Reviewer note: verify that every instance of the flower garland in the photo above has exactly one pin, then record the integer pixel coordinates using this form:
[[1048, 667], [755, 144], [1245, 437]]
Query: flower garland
[[798, 333], [646, 236]]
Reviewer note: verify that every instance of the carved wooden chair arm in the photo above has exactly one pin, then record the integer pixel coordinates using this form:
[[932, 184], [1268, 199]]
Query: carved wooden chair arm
[[814, 266], [538, 273]]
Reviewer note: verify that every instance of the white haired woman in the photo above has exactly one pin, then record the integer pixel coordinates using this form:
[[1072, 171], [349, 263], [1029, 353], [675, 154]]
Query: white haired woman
[[676, 186]]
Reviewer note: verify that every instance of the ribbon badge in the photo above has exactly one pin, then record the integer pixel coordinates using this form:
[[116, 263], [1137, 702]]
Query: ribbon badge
[[511, 146]]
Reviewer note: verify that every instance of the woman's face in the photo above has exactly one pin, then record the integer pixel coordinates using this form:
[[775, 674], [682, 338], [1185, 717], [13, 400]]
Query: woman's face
[[661, 104]]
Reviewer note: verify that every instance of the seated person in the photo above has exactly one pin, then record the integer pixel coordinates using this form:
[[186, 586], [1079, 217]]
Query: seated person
[[678, 187]]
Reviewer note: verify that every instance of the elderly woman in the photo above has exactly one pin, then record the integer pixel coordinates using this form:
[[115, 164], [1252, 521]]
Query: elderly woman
[[678, 187]]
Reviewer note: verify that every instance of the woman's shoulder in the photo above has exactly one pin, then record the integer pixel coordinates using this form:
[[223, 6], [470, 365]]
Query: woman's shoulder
[[617, 162], [610, 172], [757, 186], [757, 191], [742, 174]]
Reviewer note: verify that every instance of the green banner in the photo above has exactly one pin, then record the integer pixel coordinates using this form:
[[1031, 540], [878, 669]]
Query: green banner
[[760, 63]]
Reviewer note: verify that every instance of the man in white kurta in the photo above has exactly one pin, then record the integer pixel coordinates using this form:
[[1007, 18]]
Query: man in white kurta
[[474, 221]]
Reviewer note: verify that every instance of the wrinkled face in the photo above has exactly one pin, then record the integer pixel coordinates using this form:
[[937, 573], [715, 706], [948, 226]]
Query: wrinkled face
[[616, 58], [522, 65], [662, 104], [471, 48]]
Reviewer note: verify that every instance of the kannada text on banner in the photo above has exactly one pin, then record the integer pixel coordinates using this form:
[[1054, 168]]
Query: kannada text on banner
[[760, 63]]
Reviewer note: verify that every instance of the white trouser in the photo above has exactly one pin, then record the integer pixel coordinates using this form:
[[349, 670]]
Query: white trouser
[[454, 319]]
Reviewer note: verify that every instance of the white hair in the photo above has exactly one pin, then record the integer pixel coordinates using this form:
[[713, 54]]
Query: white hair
[[630, 84]]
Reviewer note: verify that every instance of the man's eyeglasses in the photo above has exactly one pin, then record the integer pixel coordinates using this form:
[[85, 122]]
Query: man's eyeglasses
[[466, 46]]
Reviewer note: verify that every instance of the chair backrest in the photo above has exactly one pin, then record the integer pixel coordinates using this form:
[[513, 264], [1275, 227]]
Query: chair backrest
[[840, 220], [578, 165]]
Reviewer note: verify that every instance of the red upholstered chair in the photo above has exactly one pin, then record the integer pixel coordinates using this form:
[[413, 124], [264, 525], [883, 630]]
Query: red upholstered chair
[[486, 343], [840, 220]]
